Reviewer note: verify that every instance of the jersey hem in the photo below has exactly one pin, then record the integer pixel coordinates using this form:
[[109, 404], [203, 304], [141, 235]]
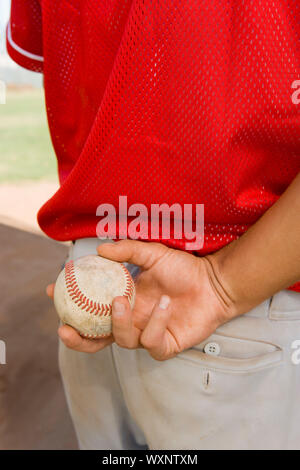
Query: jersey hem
[[22, 57]]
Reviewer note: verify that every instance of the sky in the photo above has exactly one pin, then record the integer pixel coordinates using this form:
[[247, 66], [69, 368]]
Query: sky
[[4, 15], [4, 11]]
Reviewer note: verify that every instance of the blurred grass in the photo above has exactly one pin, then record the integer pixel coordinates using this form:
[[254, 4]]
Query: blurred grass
[[26, 151]]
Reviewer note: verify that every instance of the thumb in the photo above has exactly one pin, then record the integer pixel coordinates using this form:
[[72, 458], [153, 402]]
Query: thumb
[[143, 254]]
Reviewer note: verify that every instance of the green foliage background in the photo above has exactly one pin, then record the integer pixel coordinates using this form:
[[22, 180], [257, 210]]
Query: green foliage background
[[26, 151]]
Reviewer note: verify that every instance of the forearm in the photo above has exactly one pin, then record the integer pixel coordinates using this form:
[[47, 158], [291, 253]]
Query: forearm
[[266, 258]]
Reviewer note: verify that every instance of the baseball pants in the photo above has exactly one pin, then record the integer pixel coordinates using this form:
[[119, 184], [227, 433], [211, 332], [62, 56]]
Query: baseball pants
[[239, 389]]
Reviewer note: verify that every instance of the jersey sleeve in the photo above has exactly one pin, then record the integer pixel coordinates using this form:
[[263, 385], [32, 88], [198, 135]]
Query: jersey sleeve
[[24, 34]]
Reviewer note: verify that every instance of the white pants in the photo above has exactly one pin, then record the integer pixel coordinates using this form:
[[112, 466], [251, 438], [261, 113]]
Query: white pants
[[242, 393]]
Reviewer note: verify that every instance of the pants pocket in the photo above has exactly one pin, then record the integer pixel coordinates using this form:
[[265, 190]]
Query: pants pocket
[[285, 306], [233, 355]]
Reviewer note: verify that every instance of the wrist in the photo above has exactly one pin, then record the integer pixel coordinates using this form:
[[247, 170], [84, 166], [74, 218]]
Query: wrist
[[232, 279], [221, 287]]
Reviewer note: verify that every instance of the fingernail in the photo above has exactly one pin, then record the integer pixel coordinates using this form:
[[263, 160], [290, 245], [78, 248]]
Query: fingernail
[[119, 309], [164, 302]]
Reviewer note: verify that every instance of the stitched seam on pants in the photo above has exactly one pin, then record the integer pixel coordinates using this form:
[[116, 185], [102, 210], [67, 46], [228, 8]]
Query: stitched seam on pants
[[228, 370], [278, 315], [247, 339]]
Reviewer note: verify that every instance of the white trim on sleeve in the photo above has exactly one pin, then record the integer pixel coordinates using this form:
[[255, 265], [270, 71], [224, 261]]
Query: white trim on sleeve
[[21, 51]]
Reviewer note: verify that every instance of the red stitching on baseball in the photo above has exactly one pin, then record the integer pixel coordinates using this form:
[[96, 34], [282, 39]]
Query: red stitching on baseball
[[94, 308], [95, 336], [129, 289]]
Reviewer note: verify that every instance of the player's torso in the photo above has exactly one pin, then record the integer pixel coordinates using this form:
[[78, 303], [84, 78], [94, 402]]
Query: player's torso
[[175, 101]]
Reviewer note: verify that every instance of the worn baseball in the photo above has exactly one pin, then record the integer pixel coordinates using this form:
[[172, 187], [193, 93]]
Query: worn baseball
[[84, 292]]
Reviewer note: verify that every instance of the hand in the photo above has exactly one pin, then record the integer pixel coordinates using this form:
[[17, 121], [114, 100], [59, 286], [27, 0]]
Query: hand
[[179, 302]]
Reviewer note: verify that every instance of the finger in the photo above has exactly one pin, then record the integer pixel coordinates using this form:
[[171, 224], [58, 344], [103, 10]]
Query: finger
[[155, 336], [143, 254], [125, 333], [50, 290], [72, 339]]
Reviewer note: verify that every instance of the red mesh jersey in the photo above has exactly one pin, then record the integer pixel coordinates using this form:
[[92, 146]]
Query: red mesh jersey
[[166, 101]]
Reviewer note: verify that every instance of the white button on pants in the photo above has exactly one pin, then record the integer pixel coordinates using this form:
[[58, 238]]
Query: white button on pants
[[212, 348]]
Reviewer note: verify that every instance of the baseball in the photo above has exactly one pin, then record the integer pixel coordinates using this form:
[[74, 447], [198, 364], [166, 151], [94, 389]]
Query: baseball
[[84, 292]]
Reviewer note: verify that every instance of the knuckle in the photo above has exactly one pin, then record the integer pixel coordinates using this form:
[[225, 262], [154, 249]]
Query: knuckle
[[132, 345], [158, 358], [147, 342], [122, 342], [161, 358], [123, 243], [126, 343]]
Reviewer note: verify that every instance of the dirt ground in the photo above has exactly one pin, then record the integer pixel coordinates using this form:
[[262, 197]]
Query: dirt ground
[[20, 202], [33, 411]]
